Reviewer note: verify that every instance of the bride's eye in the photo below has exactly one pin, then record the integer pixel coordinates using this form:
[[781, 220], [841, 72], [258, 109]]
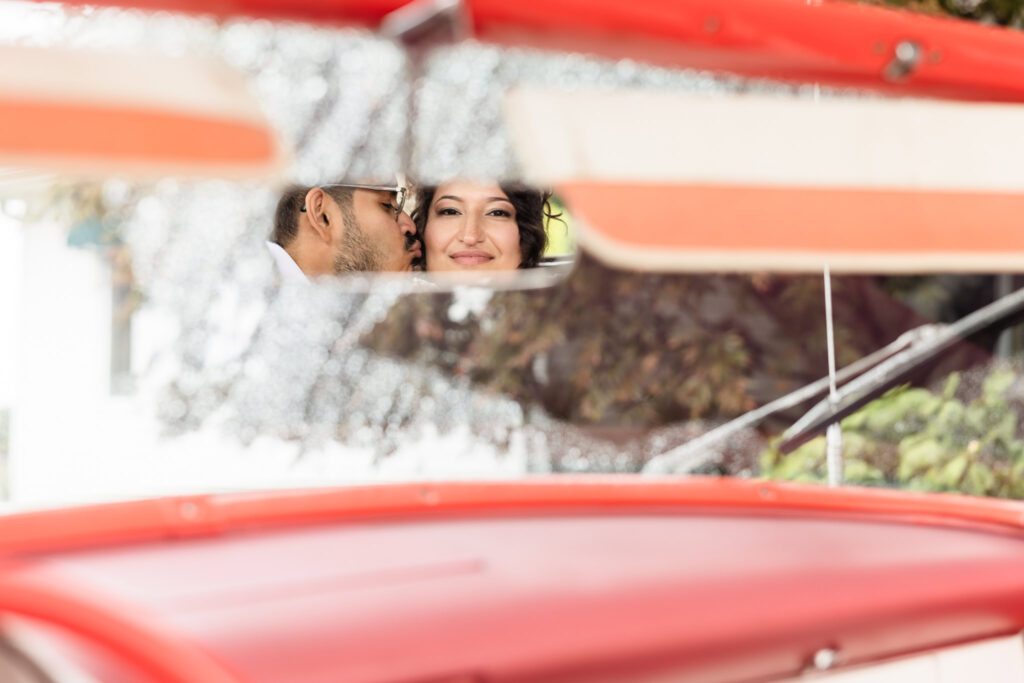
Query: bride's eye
[[500, 213], [447, 211]]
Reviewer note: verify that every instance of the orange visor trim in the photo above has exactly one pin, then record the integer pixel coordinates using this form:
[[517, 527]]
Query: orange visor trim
[[39, 131], [772, 226]]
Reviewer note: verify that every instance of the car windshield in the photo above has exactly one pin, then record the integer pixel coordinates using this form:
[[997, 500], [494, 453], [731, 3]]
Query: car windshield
[[151, 344]]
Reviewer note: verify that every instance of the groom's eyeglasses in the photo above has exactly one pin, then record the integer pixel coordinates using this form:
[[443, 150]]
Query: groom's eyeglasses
[[401, 194]]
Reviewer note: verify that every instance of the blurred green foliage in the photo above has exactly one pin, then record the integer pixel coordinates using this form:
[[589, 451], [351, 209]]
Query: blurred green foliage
[[919, 439]]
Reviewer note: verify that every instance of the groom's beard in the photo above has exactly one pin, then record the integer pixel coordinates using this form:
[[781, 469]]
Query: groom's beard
[[356, 252]]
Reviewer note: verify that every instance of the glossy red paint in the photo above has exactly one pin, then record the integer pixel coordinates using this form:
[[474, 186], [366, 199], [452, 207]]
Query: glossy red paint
[[582, 578], [827, 41], [138, 644], [186, 516]]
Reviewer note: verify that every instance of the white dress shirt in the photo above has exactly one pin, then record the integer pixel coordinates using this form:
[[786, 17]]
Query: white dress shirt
[[286, 266]]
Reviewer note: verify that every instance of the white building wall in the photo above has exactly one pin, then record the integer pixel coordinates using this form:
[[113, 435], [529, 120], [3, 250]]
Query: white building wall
[[62, 366], [10, 294]]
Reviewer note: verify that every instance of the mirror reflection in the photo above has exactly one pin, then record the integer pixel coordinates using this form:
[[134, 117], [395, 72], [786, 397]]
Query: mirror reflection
[[405, 299]]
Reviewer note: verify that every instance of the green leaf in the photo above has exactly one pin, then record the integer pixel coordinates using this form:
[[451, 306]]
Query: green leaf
[[857, 420], [882, 418], [980, 480], [997, 382], [913, 400], [950, 386], [976, 420], [856, 445], [953, 471], [1003, 428], [860, 472], [949, 418], [809, 458], [918, 454]]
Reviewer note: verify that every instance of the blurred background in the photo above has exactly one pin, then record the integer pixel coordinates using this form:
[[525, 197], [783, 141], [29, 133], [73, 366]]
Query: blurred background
[[146, 349]]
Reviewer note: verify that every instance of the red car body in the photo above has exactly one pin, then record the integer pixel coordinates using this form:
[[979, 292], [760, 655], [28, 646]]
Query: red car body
[[575, 579]]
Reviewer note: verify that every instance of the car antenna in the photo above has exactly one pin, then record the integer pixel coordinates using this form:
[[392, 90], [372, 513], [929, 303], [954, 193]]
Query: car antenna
[[695, 451], [896, 369], [834, 433], [857, 384]]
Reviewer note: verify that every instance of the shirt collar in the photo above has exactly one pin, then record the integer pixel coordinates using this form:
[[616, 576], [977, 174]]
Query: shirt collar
[[286, 266]]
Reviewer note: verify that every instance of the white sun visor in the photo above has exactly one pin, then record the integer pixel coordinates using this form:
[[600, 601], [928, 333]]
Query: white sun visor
[[684, 182], [91, 112]]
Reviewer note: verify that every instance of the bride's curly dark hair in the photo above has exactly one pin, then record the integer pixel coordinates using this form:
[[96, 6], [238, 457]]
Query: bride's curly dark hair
[[532, 207]]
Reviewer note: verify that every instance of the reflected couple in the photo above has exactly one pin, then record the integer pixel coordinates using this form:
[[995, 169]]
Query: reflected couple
[[461, 225]]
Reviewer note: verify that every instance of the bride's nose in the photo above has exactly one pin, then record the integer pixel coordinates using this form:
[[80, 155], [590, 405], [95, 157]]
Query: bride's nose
[[472, 232]]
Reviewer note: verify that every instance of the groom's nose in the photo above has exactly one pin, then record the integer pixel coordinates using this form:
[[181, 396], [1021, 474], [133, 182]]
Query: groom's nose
[[405, 224]]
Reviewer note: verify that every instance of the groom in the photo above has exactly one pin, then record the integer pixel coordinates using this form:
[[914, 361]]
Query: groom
[[342, 228]]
